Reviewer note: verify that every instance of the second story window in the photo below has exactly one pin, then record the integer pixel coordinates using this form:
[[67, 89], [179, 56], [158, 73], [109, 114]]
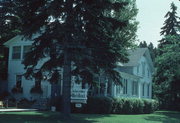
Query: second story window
[[143, 68], [16, 52], [26, 50], [138, 69]]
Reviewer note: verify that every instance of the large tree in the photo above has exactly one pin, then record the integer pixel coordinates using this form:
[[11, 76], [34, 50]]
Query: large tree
[[83, 37], [167, 76], [167, 62]]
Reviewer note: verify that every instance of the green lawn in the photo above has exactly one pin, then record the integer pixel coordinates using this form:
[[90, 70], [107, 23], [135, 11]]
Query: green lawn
[[53, 117]]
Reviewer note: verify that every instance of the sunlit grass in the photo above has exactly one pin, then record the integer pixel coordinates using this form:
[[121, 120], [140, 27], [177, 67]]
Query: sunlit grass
[[55, 117]]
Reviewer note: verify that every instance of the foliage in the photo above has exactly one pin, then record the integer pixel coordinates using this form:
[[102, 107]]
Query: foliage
[[134, 106], [107, 105], [167, 87], [171, 25], [150, 106], [99, 105], [10, 22], [57, 102], [152, 49], [36, 90], [17, 90], [4, 95]]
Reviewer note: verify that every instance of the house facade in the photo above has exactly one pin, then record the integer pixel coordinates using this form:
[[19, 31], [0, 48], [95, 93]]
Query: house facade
[[136, 76]]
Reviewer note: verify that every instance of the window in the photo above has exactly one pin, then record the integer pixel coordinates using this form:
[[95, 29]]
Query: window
[[143, 88], [118, 88], [125, 86], [138, 69], [18, 81], [16, 52], [148, 89], [148, 72], [143, 68], [37, 83], [134, 88], [26, 50]]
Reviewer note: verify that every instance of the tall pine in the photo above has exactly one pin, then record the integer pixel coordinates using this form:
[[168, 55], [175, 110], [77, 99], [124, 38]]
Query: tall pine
[[167, 87], [171, 25]]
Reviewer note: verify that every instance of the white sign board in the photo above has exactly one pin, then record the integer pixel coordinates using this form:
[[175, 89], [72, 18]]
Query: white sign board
[[79, 95]]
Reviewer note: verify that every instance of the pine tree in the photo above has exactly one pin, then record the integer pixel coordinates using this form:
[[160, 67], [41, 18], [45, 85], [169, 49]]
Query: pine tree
[[167, 62], [90, 35], [171, 25], [143, 44]]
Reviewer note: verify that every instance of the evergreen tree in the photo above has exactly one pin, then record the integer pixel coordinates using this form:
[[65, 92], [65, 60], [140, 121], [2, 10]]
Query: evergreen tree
[[81, 36], [152, 49], [171, 25], [167, 76], [143, 44]]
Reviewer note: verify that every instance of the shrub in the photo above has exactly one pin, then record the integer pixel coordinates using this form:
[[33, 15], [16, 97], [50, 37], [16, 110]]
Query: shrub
[[56, 101], [134, 106], [4, 95], [37, 90], [100, 105], [17, 90], [138, 106], [106, 105], [150, 105]]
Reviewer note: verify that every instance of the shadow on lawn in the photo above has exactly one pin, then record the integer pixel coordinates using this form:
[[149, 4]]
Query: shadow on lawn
[[45, 117], [165, 117]]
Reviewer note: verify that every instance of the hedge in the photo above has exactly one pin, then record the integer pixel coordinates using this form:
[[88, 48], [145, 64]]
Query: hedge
[[107, 105]]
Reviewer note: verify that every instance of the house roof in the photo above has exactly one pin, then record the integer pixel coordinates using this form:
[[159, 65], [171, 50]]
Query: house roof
[[134, 56], [16, 38]]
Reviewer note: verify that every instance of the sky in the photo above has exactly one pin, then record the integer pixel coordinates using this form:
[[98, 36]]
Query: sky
[[151, 18]]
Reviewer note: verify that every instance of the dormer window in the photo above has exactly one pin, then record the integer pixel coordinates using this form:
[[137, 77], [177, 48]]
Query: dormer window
[[16, 52]]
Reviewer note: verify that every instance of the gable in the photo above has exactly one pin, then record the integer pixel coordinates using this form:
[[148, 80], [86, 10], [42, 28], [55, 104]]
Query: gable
[[136, 55], [19, 39]]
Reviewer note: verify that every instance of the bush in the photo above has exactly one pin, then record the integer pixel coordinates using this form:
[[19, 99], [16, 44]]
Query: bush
[[107, 105], [56, 102], [100, 105], [37, 90], [134, 106], [138, 106], [4, 95], [150, 106], [17, 90]]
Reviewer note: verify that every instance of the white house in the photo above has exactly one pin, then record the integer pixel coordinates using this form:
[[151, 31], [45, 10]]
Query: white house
[[136, 74]]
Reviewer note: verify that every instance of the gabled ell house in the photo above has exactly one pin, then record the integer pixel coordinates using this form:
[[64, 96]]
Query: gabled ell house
[[136, 76]]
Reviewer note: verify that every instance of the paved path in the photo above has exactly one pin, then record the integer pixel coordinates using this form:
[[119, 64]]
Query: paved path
[[14, 110]]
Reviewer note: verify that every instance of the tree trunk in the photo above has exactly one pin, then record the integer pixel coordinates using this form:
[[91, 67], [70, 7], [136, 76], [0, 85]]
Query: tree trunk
[[66, 95]]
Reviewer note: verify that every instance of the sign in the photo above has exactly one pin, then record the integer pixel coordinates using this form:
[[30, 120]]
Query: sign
[[79, 95], [78, 105]]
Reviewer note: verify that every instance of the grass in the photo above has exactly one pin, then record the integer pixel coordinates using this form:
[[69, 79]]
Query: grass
[[54, 117]]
